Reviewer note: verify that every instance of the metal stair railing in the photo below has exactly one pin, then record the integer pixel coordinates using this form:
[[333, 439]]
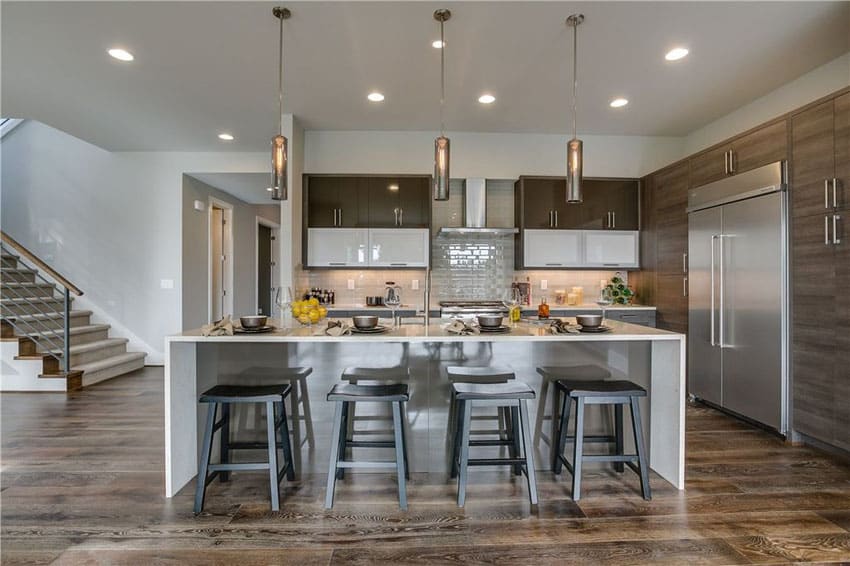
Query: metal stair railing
[[35, 325]]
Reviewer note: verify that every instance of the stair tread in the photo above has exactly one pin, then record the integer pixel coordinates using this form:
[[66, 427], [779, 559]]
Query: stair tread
[[91, 346], [109, 362], [27, 270], [26, 284], [85, 329], [16, 300], [43, 316]]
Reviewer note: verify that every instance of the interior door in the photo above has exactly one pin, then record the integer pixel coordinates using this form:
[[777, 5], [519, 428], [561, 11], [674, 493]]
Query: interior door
[[704, 355], [264, 270], [216, 264], [751, 308]]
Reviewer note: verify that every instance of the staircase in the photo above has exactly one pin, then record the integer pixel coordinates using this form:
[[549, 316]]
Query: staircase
[[53, 341]]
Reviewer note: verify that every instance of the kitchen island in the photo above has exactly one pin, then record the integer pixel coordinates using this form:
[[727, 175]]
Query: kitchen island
[[651, 357]]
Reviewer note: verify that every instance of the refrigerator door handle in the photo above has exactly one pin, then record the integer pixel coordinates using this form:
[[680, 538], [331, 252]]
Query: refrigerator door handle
[[720, 333], [711, 307]]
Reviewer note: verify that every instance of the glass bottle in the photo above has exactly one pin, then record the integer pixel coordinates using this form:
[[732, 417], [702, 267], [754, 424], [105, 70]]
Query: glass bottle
[[543, 309]]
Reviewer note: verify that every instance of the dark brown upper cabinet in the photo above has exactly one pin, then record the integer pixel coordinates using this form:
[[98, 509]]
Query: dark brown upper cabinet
[[399, 202], [336, 201], [748, 151], [608, 204]]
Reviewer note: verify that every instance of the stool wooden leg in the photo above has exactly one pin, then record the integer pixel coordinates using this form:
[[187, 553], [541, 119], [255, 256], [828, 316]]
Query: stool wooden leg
[[343, 438], [578, 449], [297, 440], [404, 441], [465, 408], [304, 397], [641, 451], [288, 460], [560, 441], [224, 441], [457, 436], [528, 447], [516, 440], [503, 424], [336, 434], [206, 448], [400, 458], [618, 435], [541, 412], [272, 440]]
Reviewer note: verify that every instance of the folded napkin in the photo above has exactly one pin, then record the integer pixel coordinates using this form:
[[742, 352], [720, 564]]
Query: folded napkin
[[337, 328], [223, 327], [463, 328], [560, 327]]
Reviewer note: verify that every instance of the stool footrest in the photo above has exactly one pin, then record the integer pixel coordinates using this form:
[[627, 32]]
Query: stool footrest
[[609, 458], [239, 467], [248, 446], [370, 444], [348, 464], [494, 461], [594, 438], [493, 442]]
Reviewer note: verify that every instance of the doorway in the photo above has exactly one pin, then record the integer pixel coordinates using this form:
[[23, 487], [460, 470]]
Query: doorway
[[220, 260], [267, 276]]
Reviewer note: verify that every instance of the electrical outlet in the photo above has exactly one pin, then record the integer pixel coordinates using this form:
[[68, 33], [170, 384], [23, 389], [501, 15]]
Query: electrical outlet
[[351, 284], [415, 284], [166, 283], [544, 284]]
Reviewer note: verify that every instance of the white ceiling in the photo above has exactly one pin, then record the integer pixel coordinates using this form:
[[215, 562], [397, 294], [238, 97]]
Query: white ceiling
[[247, 187], [203, 68]]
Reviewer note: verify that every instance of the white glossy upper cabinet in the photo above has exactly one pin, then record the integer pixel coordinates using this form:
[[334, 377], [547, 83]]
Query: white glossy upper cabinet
[[552, 248], [611, 248], [337, 247], [405, 247]]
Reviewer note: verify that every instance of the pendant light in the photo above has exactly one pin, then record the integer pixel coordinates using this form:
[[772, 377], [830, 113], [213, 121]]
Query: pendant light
[[575, 157], [442, 150], [280, 145]]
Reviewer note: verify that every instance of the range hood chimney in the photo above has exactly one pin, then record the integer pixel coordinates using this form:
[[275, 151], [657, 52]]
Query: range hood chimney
[[475, 213]]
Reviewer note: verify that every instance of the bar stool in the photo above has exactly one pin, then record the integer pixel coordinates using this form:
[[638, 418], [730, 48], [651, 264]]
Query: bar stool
[[617, 393], [299, 399], [345, 395], [380, 375], [482, 375], [512, 394], [554, 373], [273, 397]]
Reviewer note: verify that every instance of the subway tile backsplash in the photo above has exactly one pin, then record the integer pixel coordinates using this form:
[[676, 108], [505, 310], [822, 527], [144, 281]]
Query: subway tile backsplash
[[463, 267]]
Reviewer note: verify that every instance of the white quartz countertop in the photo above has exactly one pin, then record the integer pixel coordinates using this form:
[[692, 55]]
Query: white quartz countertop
[[435, 332]]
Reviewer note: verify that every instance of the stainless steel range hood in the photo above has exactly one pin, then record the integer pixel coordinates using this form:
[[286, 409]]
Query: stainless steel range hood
[[475, 213]]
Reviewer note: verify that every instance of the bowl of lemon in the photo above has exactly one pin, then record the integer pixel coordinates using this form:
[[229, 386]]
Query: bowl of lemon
[[308, 311]]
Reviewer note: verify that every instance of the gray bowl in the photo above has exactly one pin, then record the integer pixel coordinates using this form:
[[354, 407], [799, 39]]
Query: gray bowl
[[365, 322], [490, 320], [254, 321], [589, 320]]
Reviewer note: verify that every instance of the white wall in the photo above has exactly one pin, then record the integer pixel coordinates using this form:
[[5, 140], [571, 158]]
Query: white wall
[[494, 156], [815, 84], [110, 222]]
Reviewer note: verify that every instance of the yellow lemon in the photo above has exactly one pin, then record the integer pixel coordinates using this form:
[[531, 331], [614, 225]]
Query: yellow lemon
[[304, 319], [323, 312], [314, 302], [296, 310], [314, 316]]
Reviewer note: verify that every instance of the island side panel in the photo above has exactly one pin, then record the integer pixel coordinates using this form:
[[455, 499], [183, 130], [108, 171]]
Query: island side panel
[[180, 415], [667, 410]]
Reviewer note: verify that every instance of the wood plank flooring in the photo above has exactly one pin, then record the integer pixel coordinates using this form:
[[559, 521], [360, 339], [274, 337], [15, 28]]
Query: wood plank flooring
[[82, 482]]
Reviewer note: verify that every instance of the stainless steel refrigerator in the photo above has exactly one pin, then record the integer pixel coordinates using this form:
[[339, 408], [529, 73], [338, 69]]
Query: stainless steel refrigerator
[[738, 295]]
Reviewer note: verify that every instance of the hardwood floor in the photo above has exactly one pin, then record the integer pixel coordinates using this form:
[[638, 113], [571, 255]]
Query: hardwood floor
[[82, 481]]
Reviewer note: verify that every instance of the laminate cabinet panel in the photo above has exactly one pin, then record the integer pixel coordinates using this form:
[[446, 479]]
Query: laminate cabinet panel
[[671, 303], [414, 200], [671, 191], [760, 147], [538, 198], [813, 159], [841, 375], [353, 202], [708, 166], [322, 198], [336, 201], [814, 324], [842, 150]]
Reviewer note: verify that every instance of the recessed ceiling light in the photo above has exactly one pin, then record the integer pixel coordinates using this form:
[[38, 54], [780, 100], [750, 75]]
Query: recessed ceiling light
[[619, 102], [376, 97], [676, 53], [486, 99], [226, 137], [438, 44], [121, 54]]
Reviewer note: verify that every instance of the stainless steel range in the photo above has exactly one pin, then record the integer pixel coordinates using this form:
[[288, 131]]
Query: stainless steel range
[[455, 309]]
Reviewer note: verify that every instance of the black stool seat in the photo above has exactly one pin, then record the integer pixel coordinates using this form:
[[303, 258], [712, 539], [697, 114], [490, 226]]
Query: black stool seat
[[601, 388], [477, 374], [245, 393], [376, 374], [484, 391], [350, 392]]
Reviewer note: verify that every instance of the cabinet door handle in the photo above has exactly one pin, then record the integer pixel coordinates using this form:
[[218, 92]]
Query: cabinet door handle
[[834, 193], [684, 286], [685, 262], [336, 222], [395, 211], [835, 239], [554, 264], [613, 219], [398, 264], [556, 219], [551, 219], [401, 217], [340, 217], [826, 193], [826, 230], [726, 162], [732, 161], [337, 263]]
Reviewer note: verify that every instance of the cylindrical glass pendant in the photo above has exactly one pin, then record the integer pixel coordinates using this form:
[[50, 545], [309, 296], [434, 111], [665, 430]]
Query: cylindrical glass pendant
[[279, 158], [441, 168], [574, 174]]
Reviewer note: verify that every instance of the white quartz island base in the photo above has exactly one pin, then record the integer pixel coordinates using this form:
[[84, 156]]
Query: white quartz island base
[[652, 358]]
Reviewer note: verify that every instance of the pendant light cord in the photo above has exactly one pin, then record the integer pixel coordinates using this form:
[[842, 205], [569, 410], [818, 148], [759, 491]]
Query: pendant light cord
[[442, 76], [280, 78], [575, 77]]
